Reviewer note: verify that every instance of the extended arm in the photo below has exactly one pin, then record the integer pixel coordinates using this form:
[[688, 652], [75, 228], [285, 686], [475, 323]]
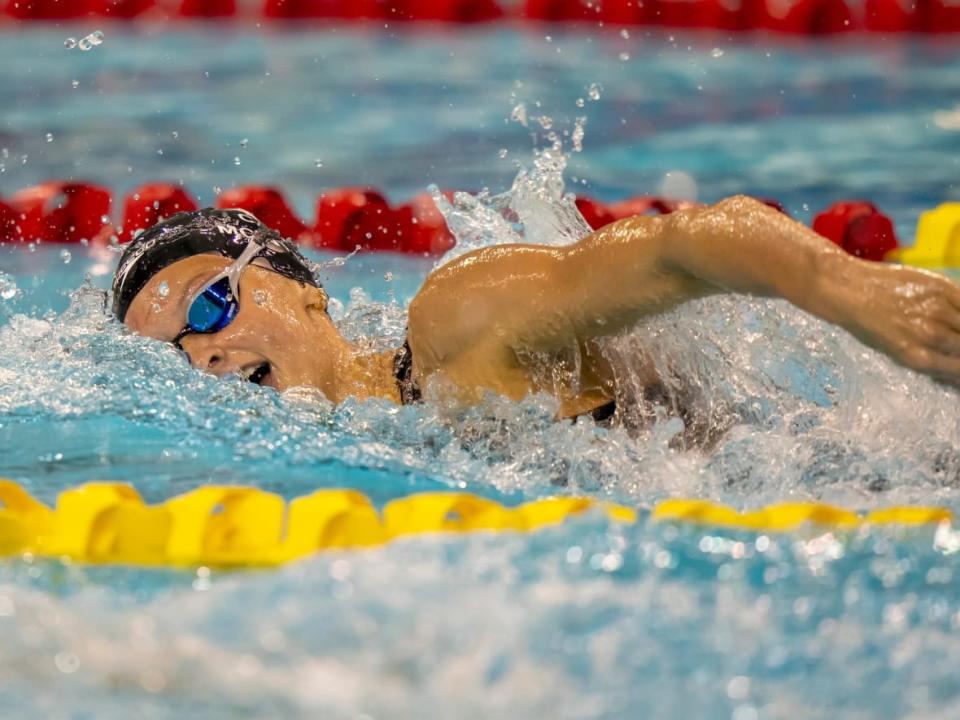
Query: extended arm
[[536, 297]]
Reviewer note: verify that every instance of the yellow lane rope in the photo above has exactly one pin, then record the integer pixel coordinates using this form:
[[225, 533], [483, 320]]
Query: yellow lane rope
[[242, 526]]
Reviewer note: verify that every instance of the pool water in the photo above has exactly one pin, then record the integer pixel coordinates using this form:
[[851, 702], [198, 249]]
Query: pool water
[[589, 620]]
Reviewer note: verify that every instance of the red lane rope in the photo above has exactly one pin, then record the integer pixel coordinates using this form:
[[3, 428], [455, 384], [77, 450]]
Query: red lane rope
[[348, 218], [802, 17]]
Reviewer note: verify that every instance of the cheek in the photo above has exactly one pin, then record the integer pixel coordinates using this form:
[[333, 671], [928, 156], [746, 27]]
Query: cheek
[[275, 319]]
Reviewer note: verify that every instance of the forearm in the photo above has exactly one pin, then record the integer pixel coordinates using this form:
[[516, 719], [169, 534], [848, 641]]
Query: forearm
[[744, 246]]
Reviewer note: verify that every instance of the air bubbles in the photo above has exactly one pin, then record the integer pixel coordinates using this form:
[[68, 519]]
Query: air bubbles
[[90, 41], [65, 256]]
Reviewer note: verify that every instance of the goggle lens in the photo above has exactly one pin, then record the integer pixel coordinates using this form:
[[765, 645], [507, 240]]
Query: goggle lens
[[213, 309]]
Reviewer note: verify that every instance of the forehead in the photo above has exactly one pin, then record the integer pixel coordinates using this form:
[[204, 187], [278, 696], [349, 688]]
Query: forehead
[[156, 305]]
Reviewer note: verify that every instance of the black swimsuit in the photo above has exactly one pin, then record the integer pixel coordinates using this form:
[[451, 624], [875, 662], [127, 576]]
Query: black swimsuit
[[410, 391]]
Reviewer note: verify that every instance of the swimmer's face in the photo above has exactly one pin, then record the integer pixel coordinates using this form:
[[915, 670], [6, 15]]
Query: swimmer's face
[[275, 326]]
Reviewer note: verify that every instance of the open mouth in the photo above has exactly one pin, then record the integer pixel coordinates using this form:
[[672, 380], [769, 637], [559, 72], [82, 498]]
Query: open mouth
[[259, 374]]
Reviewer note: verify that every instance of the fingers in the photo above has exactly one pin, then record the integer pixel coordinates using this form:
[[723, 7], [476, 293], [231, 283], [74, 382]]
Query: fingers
[[938, 365]]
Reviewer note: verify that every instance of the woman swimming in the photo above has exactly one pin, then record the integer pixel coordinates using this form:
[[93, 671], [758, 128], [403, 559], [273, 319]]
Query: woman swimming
[[237, 298]]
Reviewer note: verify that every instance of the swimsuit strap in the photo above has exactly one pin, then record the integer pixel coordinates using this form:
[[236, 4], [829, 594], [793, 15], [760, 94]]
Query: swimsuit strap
[[403, 370]]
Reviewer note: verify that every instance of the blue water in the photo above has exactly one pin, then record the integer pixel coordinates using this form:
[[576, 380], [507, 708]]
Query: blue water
[[586, 621]]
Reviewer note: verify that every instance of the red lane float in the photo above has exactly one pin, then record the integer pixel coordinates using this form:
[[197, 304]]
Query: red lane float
[[8, 224], [51, 9], [858, 227], [125, 9], [149, 204], [269, 205], [348, 218], [889, 16], [938, 16], [61, 212], [598, 214], [336, 210], [208, 8], [802, 17]]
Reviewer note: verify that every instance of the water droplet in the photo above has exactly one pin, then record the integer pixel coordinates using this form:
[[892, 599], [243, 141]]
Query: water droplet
[[65, 256], [503, 152], [244, 142], [236, 161], [546, 122], [75, 84], [66, 662], [593, 92], [318, 163], [716, 53], [624, 56], [388, 276], [625, 34], [155, 308], [8, 288], [175, 134], [217, 189], [49, 137], [576, 137], [163, 289], [70, 43], [519, 114], [160, 151], [259, 297], [581, 102]]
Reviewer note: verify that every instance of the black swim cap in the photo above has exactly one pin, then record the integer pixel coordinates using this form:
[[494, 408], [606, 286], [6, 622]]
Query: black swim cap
[[193, 233]]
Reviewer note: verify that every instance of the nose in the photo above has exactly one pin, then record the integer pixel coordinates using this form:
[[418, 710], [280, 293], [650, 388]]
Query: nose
[[206, 354]]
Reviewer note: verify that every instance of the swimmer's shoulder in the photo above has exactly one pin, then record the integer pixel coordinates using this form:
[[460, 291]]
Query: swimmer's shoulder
[[468, 306]]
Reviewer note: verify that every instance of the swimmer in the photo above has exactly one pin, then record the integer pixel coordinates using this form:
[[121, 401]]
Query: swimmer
[[239, 299]]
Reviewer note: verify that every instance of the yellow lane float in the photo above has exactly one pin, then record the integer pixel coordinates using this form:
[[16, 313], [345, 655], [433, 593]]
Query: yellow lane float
[[230, 526], [938, 239]]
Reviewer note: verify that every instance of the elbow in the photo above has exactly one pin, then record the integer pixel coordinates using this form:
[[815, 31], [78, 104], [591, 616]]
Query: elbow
[[708, 220]]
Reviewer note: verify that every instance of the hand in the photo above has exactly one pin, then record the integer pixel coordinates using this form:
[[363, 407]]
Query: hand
[[911, 315]]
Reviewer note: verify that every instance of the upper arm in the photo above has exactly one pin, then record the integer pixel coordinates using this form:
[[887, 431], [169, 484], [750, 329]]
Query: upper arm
[[542, 298]]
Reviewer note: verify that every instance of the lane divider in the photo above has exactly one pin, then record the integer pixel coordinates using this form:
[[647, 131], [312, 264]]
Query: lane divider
[[232, 526], [795, 17], [351, 217]]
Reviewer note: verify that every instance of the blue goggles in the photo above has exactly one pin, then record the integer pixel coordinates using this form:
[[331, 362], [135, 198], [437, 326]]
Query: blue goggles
[[216, 304]]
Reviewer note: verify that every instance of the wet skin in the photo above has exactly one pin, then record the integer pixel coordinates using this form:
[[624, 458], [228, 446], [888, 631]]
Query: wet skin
[[476, 321]]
